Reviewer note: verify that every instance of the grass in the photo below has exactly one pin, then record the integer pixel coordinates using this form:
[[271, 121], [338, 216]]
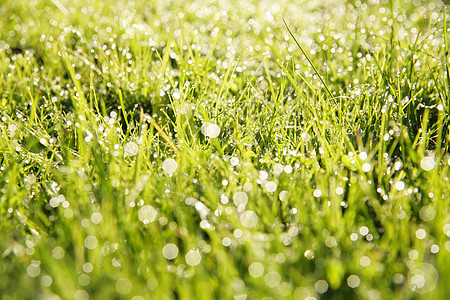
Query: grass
[[224, 149]]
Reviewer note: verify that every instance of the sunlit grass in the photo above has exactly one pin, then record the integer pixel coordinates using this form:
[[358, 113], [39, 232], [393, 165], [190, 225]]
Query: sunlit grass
[[224, 150]]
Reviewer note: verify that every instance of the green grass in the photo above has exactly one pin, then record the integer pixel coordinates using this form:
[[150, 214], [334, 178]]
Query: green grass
[[311, 141]]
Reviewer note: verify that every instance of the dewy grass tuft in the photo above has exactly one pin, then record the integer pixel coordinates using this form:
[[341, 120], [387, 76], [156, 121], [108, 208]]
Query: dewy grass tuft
[[224, 149]]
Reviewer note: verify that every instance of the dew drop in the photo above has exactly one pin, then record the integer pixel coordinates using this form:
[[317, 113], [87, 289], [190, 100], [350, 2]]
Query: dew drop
[[131, 149], [88, 267], [46, 281], [282, 196], [272, 279], [58, 253], [249, 219], [306, 137], [366, 167], [365, 261], [90, 242], [427, 213], [234, 161], [212, 130], [400, 186], [123, 286], [240, 198], [30, 179], [256, 270], [278, 168], [193, 258], [271, 186], [427, 163], [147, 214], [423, 278], [80, 295], [421, 234], [169, 166], [353, 281], [363, 155], [170, 251], [226, 242], [176, 95], [96, 218], [33, 270], [321, 286]]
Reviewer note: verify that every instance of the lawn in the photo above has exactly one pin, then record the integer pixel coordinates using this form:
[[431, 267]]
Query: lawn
[[207, 149]]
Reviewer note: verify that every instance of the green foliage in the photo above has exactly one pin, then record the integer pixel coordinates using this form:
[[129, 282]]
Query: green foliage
[[220, 149]]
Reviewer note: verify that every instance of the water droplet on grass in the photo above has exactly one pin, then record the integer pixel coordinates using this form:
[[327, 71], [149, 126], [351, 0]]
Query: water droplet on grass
[[256, 270], [366, 167], [84, 280], [278, 168], [90, 242], [147, 214], [321, 286], [96, 218], [81, 295], [247, 186], [330, 242], [427, 213], [353, 281], [249, 219], [176, 95], [170, 251], [234, 161], [427, 163], [421, 234], [288, 169], [54, 202], [58, 253], [282, 196], [364, 230], [413, 254], [308, 254], [398, 278], [400, 186], [169, 166], [272, 279], [306, 137], [123, 286], [46, 281], [365, 261], [363, 155], [237, 233], [12, 127], [226, 242], [193, 258], [271, 186], [240, 198], [88, 267], [212, 130], [30, 179], [131, 149], [423, 278], [33, 270], [263, 175], [434, 249]]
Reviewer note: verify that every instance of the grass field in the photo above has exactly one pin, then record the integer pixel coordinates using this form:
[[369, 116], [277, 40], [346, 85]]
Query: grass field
[[207, 149]]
